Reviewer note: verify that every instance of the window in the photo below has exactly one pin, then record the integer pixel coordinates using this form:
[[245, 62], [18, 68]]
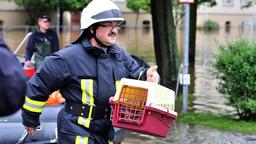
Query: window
[[228, 2], [244, 3]]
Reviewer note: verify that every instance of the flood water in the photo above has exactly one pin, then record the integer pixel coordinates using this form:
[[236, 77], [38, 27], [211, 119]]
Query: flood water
[[140, 43], [182, 133]]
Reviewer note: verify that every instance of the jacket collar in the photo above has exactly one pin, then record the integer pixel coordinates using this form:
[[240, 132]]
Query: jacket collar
[[95, 50]]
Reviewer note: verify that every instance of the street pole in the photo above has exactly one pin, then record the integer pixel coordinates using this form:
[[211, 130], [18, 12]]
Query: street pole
[[58, 19], [185, 75]]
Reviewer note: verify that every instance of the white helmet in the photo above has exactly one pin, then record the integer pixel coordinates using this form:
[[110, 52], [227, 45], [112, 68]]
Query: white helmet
[[99, 11]]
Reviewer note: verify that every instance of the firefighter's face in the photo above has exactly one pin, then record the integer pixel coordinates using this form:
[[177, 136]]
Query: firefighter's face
[[44, 24], [106, 33]]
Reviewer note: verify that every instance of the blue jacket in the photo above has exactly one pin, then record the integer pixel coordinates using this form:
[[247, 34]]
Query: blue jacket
[[84, 74], [12, 81]]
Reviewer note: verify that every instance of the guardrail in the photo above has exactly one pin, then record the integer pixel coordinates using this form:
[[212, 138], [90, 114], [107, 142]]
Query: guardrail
[[22, 42]]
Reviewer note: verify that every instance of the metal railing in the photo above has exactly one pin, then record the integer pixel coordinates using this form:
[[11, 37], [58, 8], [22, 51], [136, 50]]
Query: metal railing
[[22, 42]]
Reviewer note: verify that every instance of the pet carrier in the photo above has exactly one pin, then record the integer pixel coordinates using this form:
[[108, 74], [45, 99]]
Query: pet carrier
[[143, 107]]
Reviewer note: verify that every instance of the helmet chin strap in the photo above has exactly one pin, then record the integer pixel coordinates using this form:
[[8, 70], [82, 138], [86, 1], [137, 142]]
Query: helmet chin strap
[[97, 40]]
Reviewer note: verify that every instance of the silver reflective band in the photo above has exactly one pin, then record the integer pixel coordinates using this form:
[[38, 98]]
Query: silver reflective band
[[114, 13]]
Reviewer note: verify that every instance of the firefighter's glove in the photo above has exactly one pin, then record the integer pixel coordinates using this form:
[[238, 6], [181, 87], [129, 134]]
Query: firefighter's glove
[[152, 75]]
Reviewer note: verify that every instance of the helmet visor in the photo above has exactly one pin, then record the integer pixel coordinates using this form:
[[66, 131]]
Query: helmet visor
[[114, 13]]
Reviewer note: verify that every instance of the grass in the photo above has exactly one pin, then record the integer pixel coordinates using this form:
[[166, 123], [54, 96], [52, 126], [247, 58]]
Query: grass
[[221, 122]]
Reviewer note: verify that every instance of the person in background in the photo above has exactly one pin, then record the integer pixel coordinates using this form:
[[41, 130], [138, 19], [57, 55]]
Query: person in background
[[87, 73], [12, 81], [43, 42]]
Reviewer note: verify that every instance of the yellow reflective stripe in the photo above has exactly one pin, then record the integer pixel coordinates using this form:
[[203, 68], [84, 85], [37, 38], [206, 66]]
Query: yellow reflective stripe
[[90, 90], [87, 91], [84, 121], [118, 89], [39, 103], [117, 83], [87, 95], [33, 106], [82, 140], [32, 109], [78, 138], [83, 91], [110, 142], [90, 112]]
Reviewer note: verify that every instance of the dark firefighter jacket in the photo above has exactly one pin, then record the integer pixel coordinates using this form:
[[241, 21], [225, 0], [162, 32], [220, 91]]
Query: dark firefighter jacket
[[84, 74], [12, 81]]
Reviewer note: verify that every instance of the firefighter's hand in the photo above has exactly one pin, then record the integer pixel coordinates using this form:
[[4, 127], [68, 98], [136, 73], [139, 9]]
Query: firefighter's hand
[[30, 130], [152, 75], [28, 63]]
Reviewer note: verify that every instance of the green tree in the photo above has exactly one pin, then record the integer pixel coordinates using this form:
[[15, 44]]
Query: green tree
[[69, 5], [170, 34], [36, 7], [137, 5], [72, 5], [165, 42]]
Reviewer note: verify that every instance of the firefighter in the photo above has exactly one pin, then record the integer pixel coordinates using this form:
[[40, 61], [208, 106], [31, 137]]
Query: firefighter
[[87, 73], [43, 42], [12, 81]]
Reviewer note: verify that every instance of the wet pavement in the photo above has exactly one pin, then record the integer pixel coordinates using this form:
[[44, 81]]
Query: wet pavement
[[182, 133]]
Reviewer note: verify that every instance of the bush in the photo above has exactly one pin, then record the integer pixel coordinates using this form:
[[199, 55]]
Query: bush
[[210, 25], [235, 67]]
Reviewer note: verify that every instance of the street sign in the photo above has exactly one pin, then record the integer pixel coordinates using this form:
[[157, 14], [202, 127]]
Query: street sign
[[184, 79], [186, 1]]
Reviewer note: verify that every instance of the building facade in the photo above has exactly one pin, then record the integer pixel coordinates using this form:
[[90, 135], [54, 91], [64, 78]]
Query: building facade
[[130, 16], [11, 14], [227, 13]]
